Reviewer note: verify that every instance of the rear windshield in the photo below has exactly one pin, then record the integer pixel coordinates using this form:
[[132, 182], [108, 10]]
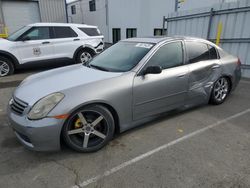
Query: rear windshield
[[90, 31]]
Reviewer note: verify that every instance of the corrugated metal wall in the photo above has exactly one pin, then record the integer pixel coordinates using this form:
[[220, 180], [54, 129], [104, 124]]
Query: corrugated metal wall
[[235, 37], [52, 10]]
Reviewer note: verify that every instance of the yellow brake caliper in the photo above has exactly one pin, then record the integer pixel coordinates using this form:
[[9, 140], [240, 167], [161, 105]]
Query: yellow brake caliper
[[78, 124]]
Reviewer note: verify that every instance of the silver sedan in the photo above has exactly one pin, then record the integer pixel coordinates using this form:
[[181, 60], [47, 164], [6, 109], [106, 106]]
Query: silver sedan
[[122, 87]]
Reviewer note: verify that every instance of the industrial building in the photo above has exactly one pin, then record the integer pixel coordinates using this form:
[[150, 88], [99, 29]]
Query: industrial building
[[119, 19], [17, 13]]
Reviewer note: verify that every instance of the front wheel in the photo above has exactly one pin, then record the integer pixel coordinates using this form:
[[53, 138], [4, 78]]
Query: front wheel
[[6, 67], [220, 91], [89, 129]]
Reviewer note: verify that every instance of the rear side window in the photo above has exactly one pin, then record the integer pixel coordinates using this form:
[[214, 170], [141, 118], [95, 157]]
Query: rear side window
[[90, 31], [64, 32], [212, 52], [197, 52]]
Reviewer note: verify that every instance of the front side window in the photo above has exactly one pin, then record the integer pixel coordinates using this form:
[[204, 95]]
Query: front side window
[[37, 33], [64, 32], [197, 52], [73, 9], [90, 31], [121, 57], [131, 33], [168, 56]]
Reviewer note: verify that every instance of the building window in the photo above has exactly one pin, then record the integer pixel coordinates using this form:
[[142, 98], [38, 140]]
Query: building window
[[131, 32], [92, 6], [116, 35], [159, 32], [73, 9]]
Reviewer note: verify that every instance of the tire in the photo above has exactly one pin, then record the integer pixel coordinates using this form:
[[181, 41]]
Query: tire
[[89, 129], [220, 91], [6, 67], [84, 56]]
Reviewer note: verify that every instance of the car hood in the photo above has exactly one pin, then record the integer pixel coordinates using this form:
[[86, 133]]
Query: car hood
[[39, 85], [4, 42]]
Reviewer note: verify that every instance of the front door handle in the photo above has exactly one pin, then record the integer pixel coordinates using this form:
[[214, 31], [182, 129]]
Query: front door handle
[[76, 39], [46, 42]]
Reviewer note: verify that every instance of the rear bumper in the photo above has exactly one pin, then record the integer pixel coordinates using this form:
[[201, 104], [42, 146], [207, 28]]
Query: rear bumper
[[237, 77], [39, 135]]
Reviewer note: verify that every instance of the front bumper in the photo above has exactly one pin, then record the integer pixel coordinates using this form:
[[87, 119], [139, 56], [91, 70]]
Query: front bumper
[[39, 135]]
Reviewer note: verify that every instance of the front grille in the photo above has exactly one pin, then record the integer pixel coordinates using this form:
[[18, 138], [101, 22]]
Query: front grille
[[18, 106]]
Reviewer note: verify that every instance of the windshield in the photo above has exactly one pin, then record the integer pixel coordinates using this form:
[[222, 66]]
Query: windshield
[[121, 57], [18, 33]]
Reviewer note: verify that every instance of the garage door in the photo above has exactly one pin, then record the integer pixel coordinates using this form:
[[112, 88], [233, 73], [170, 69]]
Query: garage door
[[18, 14]]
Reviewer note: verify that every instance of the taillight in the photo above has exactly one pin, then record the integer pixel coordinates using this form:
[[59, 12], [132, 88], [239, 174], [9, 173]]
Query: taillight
[[239, 62]]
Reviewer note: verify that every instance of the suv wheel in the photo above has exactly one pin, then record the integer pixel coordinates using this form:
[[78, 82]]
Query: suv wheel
[[84, 56], [6, 67]]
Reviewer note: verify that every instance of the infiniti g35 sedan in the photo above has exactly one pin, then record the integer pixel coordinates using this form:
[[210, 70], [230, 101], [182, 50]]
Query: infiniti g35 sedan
[[131, 81]]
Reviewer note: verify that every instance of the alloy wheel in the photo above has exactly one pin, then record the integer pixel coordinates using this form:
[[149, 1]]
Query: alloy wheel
[[87, 129], [4, 68], [85, 57], [221, 89]]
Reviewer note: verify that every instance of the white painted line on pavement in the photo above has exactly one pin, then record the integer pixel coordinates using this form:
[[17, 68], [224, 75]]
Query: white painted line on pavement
[[156, 150]]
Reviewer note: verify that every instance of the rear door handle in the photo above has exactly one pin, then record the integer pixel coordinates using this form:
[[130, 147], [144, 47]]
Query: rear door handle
[[46, 42], [215, 67], [76, 39]]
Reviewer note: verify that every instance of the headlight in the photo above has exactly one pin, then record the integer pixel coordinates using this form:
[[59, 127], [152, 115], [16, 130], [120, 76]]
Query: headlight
[[44, 106]]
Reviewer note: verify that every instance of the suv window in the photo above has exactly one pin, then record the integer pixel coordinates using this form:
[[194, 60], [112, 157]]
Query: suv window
[[90, 31], [37, 33], [168, 56], [64, 32], [197, 52], [212, 52]]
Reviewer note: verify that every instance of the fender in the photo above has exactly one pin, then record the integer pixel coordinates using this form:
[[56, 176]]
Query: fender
[[11, 56]]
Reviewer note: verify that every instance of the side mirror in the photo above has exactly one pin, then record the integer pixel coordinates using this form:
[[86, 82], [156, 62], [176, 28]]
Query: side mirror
[[152, 70], [26, 38]]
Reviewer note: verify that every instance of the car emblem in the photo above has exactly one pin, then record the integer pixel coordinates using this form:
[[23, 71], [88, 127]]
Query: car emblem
[[36, 51]]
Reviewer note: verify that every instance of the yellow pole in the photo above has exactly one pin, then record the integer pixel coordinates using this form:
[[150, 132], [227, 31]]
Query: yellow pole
[[219, 31]]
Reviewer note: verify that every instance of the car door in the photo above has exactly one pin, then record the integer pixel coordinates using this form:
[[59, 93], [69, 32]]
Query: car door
[[204, 67], [156, 93], [34, 45], [65, 41]]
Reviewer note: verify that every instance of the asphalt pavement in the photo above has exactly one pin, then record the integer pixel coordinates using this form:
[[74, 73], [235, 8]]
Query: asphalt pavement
[[206, 146]]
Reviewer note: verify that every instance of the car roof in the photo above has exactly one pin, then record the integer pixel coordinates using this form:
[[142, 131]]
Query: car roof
[[61, 24], [157, 39]]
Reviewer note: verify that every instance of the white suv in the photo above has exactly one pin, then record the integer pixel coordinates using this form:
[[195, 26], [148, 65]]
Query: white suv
[[47, 43]]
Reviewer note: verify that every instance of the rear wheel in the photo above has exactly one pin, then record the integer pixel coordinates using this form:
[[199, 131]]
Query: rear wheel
[[84, 56], [89, 129], [6, 67], [220, 91]]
